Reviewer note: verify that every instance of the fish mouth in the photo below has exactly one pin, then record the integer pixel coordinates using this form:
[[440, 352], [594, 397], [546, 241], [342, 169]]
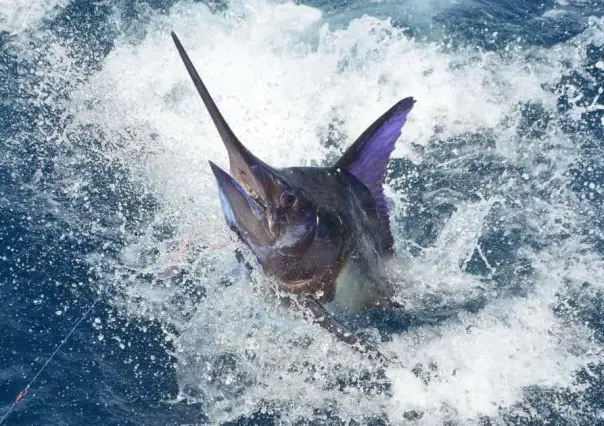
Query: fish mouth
[[245, 211], [261, 182]]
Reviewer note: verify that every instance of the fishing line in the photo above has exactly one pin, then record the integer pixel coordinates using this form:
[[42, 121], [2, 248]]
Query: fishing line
[[23, 393], [183, 246]]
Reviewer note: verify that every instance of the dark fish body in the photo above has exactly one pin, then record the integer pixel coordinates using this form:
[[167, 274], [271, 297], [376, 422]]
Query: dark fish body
[[322, 233]]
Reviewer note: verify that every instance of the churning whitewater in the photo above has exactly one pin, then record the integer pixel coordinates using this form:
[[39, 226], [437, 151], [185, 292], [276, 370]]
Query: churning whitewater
[[494, 194]]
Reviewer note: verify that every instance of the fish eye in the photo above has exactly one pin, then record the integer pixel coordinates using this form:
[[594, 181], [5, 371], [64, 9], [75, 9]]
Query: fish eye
[[287, 199]]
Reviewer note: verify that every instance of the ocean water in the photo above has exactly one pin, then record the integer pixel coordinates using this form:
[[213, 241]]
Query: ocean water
[[495, 190]]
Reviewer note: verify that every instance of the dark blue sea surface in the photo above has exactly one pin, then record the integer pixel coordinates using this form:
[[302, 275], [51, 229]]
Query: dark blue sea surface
[[71, 206]]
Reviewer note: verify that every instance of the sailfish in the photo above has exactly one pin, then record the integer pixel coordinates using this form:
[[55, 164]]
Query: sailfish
[[321, 233]]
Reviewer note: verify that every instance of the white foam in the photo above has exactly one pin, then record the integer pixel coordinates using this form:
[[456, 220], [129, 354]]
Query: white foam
[[17, 16], [484, 361]]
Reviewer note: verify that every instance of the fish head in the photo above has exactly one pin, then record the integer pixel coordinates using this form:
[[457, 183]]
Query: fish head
[[257, 201]]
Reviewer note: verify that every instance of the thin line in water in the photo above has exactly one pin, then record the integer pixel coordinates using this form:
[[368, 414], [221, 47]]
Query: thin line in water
[[23, 393]]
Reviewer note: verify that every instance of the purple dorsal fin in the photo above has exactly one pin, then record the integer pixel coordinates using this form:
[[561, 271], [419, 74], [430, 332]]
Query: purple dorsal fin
[[367, 159]]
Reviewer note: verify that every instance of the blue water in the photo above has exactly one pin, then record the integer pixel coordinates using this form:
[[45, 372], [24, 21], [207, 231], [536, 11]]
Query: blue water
[[58, 244]]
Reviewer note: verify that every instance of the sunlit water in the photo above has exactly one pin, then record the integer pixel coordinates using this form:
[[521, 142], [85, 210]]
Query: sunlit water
[[495, 196]]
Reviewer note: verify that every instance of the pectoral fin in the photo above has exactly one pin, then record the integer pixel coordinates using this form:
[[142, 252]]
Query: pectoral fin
[[319, 315], [314, 312]]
